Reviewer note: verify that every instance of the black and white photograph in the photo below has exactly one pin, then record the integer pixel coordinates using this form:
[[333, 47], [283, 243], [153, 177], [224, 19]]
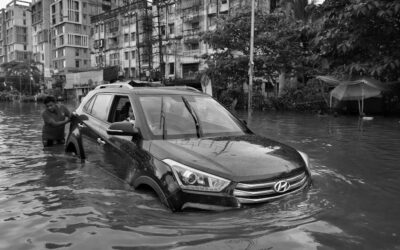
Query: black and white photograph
[[200, 124]]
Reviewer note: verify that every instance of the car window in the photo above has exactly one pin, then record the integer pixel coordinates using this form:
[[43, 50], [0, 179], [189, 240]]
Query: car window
[[120, 109], [213, 118], [88, 106], [101, 106], [178, 120]]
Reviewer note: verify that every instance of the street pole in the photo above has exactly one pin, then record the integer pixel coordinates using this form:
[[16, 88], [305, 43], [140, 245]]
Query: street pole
[[251, 62], [20, 88], [162, 68]]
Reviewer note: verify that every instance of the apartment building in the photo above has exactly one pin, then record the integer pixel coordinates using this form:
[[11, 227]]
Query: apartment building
[[181, 23], [15, 32], [40, 13], [122, 38], [2, 36], [162, 38], [70, 34]]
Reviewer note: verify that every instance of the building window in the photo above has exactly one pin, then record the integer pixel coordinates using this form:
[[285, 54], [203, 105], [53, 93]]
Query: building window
[[24, 47], [163, 30], [133, 54], [171, 68], [85, 62], [126, 38], [171, 28], [126, 55], [76, 52], [76, 63], [133, 36]]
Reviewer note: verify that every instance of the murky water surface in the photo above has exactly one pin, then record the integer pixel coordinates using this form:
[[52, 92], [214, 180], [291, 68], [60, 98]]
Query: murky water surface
[[50, 200]]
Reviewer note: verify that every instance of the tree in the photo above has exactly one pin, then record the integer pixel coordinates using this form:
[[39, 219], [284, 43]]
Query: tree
[[22, 75], [358, 38], [278, 45]]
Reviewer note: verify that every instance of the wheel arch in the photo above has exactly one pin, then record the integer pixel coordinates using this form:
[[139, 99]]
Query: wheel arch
[[75, 144], [149, 182]]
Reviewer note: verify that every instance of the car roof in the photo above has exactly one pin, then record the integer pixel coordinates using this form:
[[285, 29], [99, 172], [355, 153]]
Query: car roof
[[159, 90]]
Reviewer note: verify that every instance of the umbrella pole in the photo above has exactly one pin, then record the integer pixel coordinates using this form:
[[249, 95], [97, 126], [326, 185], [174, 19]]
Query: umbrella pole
[[362, 106]]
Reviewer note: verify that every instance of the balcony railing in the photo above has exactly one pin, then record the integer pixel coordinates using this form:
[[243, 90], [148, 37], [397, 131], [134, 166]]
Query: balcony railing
[[191, 32], [212, 8], [224, 7]]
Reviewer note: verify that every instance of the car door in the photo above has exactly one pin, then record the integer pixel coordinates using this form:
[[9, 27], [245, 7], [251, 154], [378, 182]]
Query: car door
[[113, 153], [92, 128], [123, 146]]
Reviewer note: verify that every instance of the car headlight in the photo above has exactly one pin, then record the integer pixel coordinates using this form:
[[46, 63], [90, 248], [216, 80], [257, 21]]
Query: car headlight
[[192, 179], [306, 160]]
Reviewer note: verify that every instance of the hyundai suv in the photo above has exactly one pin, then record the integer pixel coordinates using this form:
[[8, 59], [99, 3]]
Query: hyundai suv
[[185, 146]]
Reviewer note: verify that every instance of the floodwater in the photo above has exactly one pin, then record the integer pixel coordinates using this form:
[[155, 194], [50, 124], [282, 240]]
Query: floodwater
[[50, 200]]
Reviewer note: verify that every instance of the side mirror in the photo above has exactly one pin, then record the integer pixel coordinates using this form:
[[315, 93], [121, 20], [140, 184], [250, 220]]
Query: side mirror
[[122, 128]]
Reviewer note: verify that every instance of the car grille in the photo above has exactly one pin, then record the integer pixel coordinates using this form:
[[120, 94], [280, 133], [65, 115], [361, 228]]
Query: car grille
[[264, 191]]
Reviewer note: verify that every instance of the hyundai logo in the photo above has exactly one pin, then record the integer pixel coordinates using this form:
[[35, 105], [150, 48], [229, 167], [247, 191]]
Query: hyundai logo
[[281, 186]]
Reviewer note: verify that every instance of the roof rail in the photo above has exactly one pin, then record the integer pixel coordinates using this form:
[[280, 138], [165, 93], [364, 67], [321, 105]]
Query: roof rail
[[115, 85], [184, 87]]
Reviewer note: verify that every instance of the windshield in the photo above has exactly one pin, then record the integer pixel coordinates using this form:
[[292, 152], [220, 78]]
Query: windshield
[[189, 116]]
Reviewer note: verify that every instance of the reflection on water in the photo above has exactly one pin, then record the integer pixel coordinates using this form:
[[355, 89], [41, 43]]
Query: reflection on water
[[52, 200]]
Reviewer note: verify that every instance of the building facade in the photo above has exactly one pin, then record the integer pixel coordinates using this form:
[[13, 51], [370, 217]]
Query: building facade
[[70, 34], [15, 32], [122, 38], [3, 47], [161, 40], [40, 13]]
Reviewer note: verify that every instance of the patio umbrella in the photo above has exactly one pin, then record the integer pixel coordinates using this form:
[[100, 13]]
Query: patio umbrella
[[357, 90]]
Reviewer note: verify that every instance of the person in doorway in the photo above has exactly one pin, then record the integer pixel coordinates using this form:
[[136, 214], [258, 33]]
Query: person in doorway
[[131, 116], [55, 116]]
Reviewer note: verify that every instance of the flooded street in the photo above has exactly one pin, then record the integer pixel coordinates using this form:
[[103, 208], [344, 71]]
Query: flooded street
[[50, 200]]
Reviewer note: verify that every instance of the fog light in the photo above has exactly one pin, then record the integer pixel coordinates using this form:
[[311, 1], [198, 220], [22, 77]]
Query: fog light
[[189, 177]]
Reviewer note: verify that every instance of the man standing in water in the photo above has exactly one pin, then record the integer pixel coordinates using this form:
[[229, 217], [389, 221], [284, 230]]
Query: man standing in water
[[55, 117]]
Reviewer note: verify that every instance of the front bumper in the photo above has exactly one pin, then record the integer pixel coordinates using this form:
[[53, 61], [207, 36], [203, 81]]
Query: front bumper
[[230, 198]]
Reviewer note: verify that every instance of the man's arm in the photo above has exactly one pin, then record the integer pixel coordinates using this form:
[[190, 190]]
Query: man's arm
[[65, 111], [47, 119]]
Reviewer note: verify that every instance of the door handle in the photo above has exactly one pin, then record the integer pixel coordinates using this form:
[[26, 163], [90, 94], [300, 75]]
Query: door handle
[[80, 125], [100, 141]]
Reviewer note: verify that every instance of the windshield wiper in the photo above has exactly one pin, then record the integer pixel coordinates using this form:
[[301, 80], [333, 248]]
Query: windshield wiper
[[199, 132], [163, 119]]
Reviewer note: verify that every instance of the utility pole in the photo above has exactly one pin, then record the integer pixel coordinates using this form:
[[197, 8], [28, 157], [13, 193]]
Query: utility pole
[[251, 62], [130, 38], [138, 46], [162, 67]]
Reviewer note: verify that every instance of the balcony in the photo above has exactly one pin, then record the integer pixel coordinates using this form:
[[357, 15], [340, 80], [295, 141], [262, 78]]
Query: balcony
[[212, 9], [192, 18], [224, 7], [191, 32]]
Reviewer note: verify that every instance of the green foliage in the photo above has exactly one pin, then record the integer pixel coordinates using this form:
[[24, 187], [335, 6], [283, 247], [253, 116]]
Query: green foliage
[[278, 44], [304, 97], [358, 37], [22, 76]]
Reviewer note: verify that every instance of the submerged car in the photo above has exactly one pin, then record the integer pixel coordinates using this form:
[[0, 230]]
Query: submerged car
[[185, 146]]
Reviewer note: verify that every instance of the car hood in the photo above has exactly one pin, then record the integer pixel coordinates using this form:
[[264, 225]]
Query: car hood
[[240, 158]]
